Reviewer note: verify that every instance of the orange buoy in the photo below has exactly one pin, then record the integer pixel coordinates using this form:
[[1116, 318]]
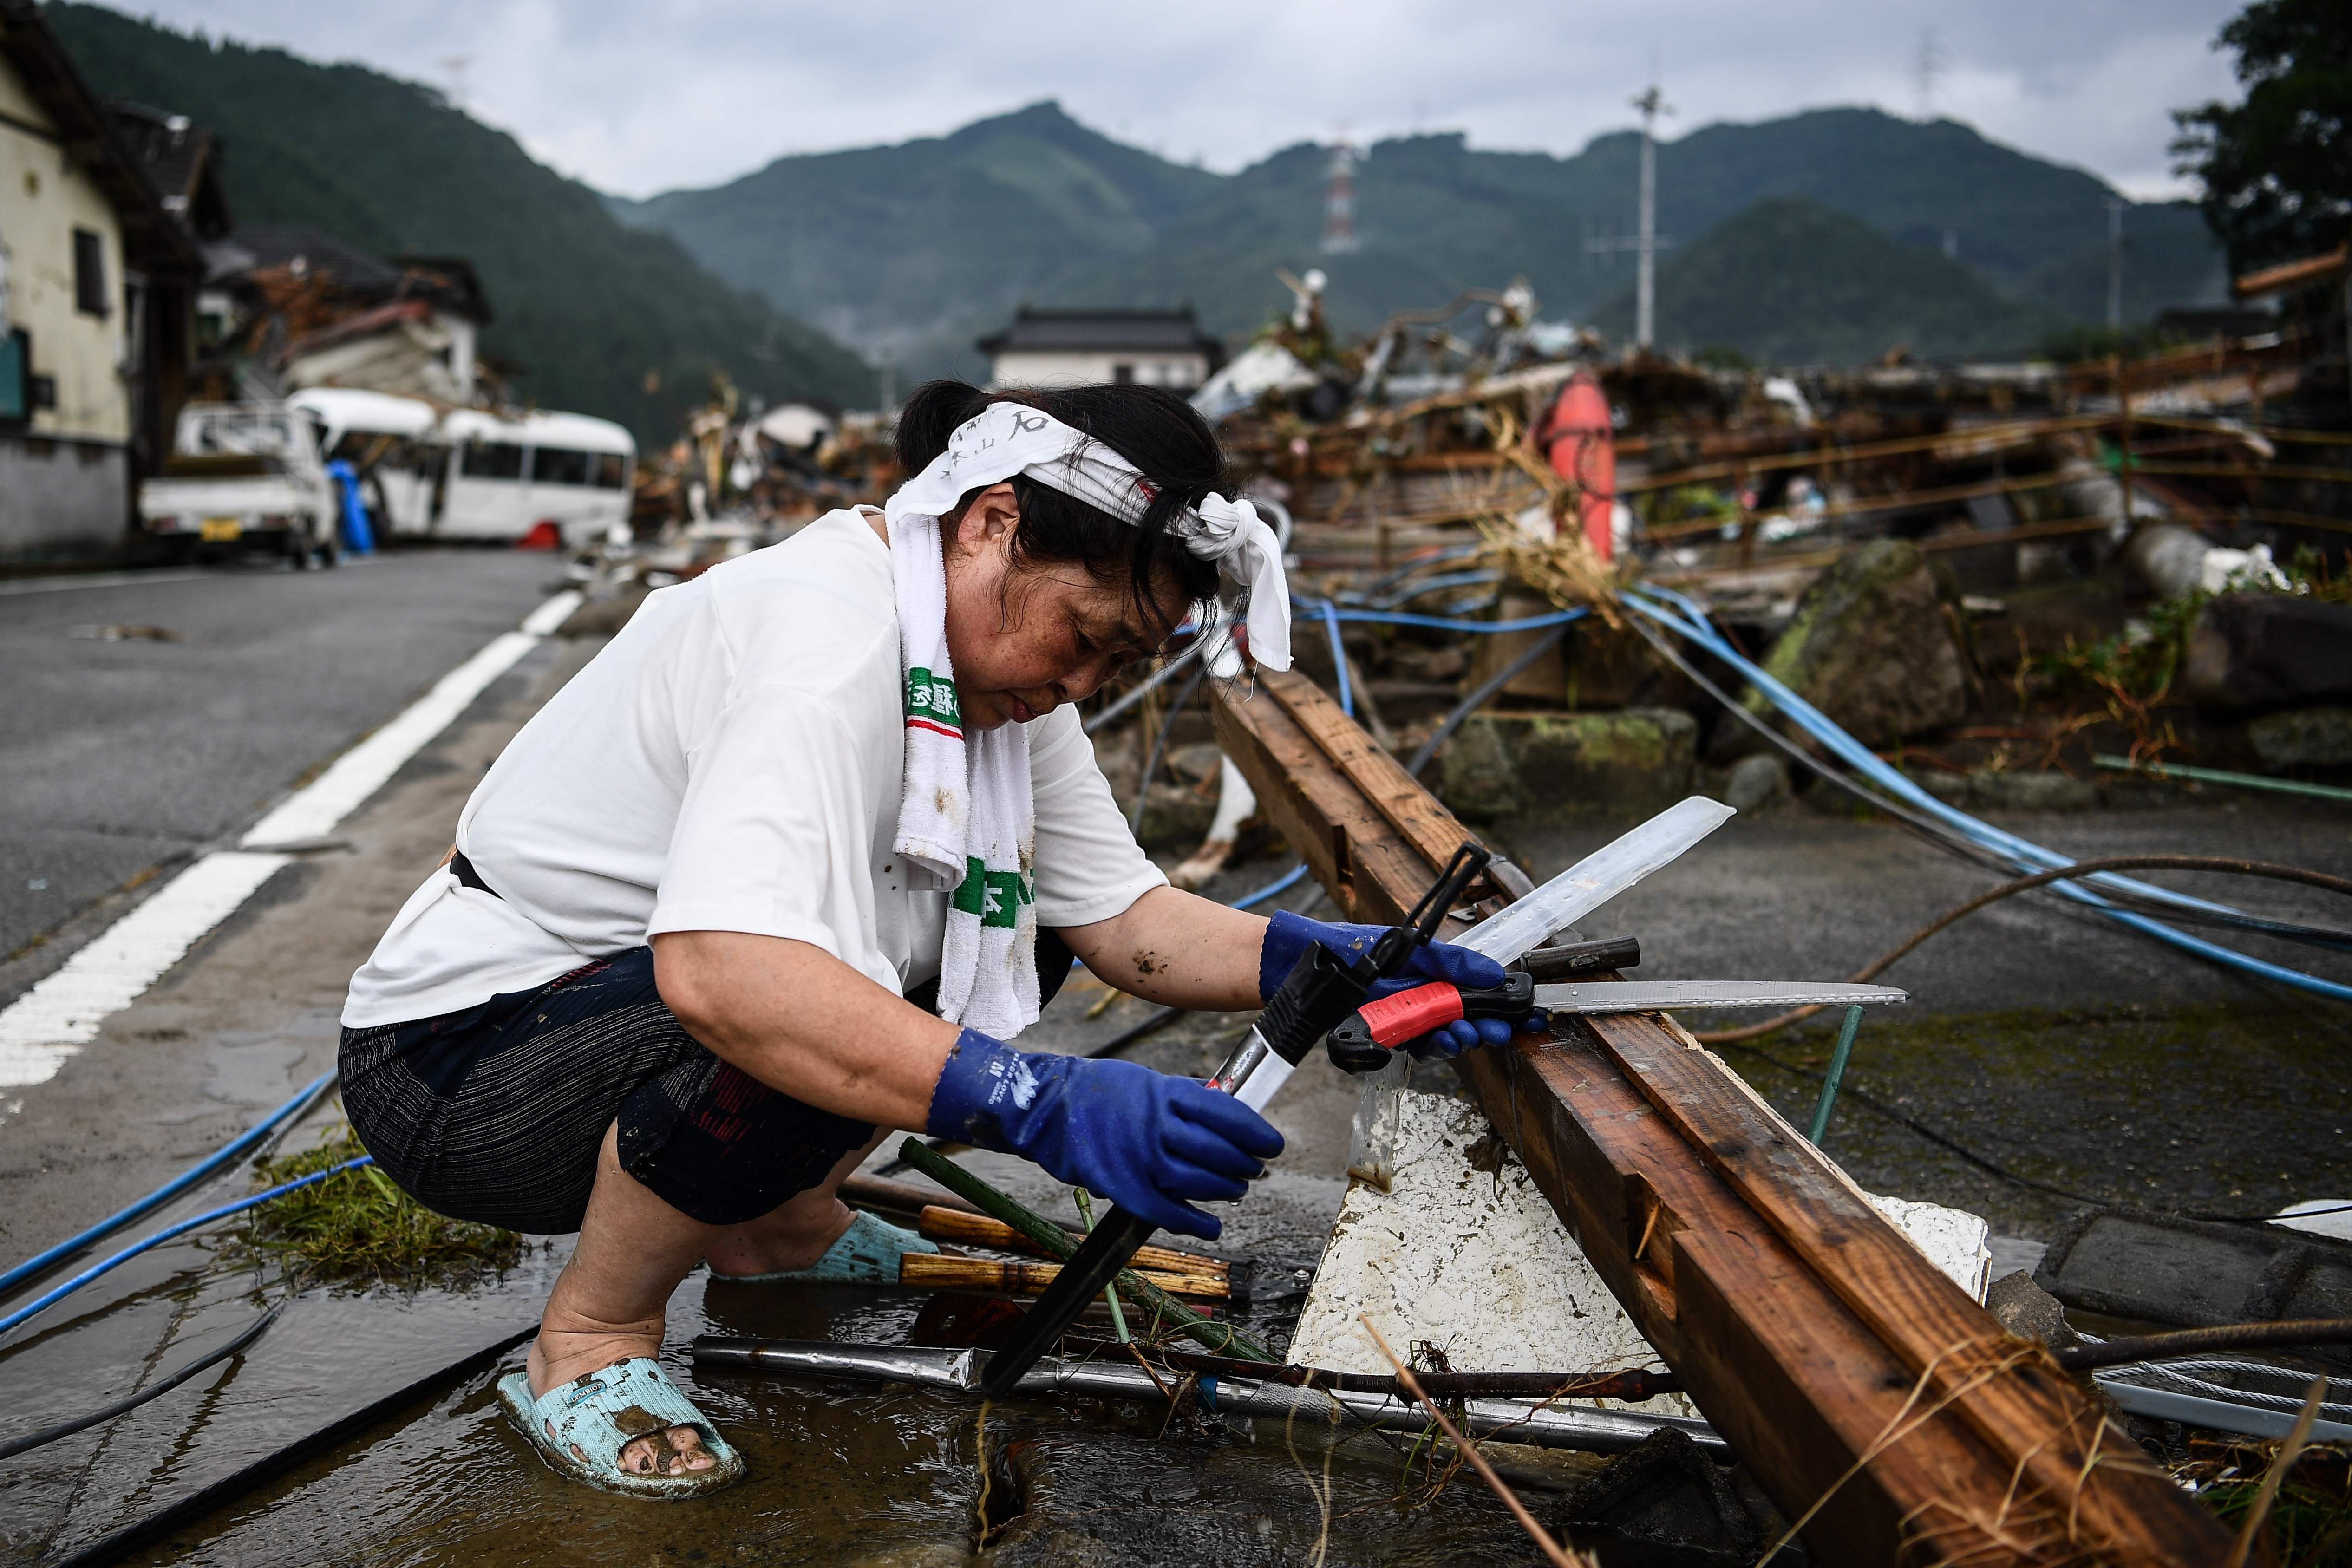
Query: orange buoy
[[1580, 442]]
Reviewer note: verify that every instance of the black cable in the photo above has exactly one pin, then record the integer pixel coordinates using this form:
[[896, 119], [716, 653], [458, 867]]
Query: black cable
[[1849, 1089], [1485, 694], [15, 1446]]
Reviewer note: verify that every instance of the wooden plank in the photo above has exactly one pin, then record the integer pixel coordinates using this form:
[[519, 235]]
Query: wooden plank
[[1805, 1327], [1949, 1343], [1796, 1383]]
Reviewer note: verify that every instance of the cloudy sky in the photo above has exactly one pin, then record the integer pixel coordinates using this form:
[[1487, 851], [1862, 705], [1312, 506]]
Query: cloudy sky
[[637, 98]]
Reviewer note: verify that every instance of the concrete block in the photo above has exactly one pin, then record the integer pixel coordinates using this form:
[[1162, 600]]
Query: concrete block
[[1624, 761], [2303, 738], [2049, 791], [1477, 776]]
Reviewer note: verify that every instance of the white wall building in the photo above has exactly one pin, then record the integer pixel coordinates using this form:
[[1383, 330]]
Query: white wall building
[[82, 237], [1063, 348]]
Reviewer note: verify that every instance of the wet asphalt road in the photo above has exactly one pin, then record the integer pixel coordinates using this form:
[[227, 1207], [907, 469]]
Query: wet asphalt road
[[117, 758]]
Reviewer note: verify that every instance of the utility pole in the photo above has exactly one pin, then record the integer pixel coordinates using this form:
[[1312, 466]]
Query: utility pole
[[2116, 265], [1651, 104]]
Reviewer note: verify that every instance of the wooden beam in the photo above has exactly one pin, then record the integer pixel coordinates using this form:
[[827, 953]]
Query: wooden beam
[[1841, 1365]]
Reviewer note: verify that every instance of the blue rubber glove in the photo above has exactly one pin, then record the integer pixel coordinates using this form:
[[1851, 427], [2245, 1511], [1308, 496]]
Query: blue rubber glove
[[1152, 1143], [1289, 936]]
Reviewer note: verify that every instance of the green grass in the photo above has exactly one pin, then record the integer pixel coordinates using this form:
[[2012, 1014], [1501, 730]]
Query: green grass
[[357, 1228]]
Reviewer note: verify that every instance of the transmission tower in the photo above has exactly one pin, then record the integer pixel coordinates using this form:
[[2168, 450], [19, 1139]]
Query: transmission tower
[[1927, 67], [1339, 201]]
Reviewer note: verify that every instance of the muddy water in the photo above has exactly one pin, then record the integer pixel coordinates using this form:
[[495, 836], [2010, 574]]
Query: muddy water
[[848, 1474], [842, 1474]]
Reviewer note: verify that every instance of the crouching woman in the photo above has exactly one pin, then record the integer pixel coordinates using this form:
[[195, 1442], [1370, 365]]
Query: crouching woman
[[768, 877]]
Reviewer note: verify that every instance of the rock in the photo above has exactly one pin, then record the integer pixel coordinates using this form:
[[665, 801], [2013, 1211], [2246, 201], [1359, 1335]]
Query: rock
[[2029, 1312], [1952, 789], [1871, 647], [1665, 1494], [2051, 791], [1754, 783], [2167, 558], [2263, 651], [1629, 761], [2303, 736], [1174, 818], [1477, 776]]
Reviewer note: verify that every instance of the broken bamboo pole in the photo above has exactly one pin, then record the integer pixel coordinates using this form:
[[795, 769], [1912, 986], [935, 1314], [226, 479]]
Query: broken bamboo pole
[[1870, 1397], [939, 1224], [936, 1271]]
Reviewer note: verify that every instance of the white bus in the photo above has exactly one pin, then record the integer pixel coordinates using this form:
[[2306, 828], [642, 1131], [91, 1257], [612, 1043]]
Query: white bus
[[464, 473]]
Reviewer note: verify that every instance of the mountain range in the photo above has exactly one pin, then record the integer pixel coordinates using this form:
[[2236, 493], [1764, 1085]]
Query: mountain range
[[1830, 235], [922, 246], [589, 314]]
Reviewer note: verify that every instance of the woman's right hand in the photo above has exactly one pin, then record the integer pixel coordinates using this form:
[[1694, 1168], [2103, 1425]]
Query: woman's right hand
[[1150, 1142]]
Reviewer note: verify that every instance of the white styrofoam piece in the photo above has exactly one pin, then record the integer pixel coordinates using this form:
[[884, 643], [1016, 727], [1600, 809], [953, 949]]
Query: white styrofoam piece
[[2319, 1216], [1476, 1263], [1953, 1240]]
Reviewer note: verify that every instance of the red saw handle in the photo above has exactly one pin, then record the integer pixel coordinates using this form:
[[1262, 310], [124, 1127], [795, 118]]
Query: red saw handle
[[1364, 1038]]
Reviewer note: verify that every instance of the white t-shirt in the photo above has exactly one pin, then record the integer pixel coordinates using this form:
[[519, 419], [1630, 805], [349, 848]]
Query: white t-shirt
[[731, 761]]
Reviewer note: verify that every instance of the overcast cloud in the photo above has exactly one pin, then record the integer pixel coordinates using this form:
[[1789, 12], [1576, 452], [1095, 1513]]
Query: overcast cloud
[[637, 98]]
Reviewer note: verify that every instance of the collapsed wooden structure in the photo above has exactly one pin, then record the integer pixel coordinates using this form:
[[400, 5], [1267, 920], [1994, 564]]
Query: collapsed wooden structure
[[1881, 1408]]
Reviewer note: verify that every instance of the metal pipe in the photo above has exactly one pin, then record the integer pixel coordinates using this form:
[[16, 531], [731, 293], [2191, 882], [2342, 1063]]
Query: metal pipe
[[958, 1372]]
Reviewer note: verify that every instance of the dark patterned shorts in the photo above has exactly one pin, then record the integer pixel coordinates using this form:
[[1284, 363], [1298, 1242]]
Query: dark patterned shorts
[[495, 1113]]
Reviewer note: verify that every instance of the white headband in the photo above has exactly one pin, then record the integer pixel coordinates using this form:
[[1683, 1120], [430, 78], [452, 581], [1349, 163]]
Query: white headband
[[1008, 439]]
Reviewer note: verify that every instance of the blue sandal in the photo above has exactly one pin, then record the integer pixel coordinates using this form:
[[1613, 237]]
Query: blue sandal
[[866, 1254], [599, 1414]]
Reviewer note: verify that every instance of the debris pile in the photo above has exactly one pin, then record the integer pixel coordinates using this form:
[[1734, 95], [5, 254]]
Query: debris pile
[[2030, 585]]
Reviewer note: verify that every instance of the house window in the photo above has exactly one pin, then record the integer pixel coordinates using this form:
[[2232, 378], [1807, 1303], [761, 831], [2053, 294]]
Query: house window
[[1122, 372], [89, 272], [16, 377]]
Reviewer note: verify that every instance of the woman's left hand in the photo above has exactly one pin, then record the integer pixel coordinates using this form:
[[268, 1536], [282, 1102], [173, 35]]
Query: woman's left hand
[[1289, 936]]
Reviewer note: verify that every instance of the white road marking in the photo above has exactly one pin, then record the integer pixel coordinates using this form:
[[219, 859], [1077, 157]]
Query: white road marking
[[62, 1014], [100, 580]]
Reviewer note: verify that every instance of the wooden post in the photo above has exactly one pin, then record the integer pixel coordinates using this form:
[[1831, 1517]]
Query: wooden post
[[1841, 1367]]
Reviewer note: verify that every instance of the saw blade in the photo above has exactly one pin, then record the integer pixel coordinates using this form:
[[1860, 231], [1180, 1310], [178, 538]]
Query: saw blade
[[1659, 995]]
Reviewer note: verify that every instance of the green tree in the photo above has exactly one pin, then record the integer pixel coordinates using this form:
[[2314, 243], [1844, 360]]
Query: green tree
[[2277, 169]]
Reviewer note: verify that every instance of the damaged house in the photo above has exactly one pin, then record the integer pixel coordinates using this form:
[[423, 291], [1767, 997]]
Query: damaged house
[[288, 307]]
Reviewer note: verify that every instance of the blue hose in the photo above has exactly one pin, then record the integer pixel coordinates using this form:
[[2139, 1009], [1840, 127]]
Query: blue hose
[[170, 1231], [173, 1188], [1438, 623], [1339, 657], [1677, 614], [1281, 884]]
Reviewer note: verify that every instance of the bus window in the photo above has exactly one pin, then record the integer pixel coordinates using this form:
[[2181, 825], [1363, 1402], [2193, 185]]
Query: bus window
[[559, 466], [493, 460], [611, 471]]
